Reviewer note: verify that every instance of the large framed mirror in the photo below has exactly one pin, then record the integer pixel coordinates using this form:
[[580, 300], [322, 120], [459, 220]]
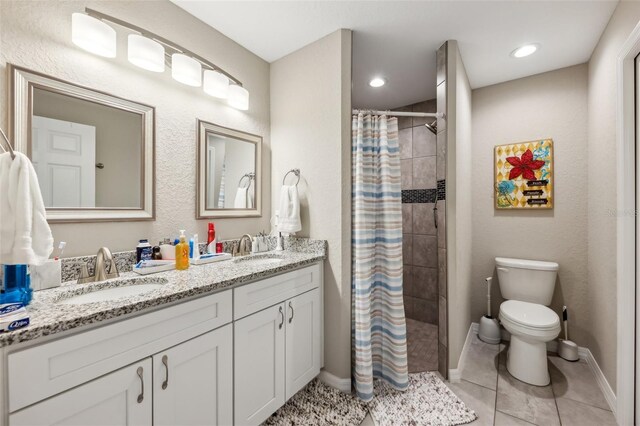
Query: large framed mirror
[[229, 175], [93, 152]]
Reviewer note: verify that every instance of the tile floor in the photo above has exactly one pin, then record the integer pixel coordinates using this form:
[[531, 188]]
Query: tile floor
[[572, 398], [422, 346]]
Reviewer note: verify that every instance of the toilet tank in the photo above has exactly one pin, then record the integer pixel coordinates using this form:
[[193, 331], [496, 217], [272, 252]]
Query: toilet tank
[[527, 280]]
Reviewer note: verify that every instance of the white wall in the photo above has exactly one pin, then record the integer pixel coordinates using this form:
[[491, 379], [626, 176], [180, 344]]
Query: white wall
[[37, 35], [550, 105], [601, 162], [311, 130], [458, 202]]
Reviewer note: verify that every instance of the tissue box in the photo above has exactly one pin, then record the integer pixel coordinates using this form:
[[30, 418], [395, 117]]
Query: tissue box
[[47, 275]]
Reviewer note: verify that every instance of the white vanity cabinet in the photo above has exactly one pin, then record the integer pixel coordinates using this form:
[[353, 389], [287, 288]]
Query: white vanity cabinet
[[178, 365], [122, 397], [193, 381], [278, 349]]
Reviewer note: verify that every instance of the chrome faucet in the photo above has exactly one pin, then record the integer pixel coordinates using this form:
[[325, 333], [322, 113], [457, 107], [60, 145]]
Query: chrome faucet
[[242, 247], [105, 269]]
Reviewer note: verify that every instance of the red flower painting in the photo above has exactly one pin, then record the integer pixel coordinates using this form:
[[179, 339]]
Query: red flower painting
[[524, 166]]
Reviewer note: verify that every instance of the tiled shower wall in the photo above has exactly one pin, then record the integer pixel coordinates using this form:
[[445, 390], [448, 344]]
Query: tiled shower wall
[[418, 154]]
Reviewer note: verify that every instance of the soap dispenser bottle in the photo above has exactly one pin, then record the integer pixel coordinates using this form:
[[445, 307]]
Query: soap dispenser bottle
[[182, 252]]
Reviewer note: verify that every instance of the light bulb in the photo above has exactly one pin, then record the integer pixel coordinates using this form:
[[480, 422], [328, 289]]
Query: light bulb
[[145, 53], [186, 70], [238, 97], [526, 50], [216, 84], [93, 35]]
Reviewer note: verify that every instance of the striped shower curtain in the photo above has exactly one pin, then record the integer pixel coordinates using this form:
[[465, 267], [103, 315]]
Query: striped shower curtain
[[379, 345]]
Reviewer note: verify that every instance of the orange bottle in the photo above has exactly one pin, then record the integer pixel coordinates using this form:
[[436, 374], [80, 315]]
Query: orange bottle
[[182, 253]]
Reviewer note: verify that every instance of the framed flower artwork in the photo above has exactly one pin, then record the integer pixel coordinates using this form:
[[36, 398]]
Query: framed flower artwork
[[524, 175]]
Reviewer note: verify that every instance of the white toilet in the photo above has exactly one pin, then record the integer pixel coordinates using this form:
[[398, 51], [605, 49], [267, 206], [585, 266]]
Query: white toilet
[[528, 287]]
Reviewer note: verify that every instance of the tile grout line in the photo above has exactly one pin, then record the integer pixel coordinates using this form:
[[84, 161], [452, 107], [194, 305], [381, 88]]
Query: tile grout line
[[555, 400], [495, 403], [583, 403]]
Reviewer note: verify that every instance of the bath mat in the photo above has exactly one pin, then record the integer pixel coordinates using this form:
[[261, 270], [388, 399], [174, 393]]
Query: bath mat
[[318, 404], [428, 401]]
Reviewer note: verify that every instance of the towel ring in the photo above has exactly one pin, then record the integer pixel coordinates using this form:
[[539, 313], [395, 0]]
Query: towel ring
[[296, 172], [249, 176], [13, 154]]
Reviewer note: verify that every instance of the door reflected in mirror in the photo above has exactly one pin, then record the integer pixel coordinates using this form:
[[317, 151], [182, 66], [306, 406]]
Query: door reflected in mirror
[[85, 154], [93, 152], [228, 181]]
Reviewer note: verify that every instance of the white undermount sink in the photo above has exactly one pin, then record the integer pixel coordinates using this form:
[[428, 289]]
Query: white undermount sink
[[113, 293], [261, 260]]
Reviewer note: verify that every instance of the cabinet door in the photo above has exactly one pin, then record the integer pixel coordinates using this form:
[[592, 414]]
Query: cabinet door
[[303, 340], [193, 381], [122, 397], [259, 365]]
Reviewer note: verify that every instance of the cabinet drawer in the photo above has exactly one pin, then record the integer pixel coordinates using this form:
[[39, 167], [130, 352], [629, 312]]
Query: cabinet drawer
[[262, 294], [45, 370]]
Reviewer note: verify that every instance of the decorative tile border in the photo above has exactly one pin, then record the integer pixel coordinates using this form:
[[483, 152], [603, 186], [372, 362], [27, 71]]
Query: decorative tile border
[[441, 189], [413, 196]]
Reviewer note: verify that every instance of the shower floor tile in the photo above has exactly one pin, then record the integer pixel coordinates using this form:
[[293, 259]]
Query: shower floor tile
[[422, 346]]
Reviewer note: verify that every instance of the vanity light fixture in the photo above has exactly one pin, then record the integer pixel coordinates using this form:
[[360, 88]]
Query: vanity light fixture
[[145, 53], [92, 32], [238, 97], [377, 82], [216, 84], [93, 35], [526, 50], [186, 70]]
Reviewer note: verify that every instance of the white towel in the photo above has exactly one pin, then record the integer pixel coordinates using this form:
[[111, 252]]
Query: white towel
[[25, 236], [243, 199], [289, 214]]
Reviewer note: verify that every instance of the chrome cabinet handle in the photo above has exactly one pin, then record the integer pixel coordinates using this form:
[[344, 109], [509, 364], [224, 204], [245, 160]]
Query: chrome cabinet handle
[[282, 316], [291, 318], [140, 371], [165, 361]]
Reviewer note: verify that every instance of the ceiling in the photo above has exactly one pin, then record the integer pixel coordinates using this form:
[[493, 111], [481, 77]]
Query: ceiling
[[398, 39]]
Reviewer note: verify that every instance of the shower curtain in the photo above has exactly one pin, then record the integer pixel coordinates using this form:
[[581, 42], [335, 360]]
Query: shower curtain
[[379, 345]]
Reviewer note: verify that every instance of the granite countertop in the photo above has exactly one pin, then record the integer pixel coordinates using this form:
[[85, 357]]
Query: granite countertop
[[49, 317]]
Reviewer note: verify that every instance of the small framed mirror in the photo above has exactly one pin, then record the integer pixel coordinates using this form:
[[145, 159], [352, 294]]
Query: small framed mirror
[[93, 152], [229, 179]]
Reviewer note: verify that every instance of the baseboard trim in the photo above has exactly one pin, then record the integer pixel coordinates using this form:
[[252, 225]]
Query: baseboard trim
[[455, 374], [609, 395], [339, 383]]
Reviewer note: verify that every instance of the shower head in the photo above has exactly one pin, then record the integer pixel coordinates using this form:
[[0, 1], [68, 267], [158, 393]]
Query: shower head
[[433, 127]]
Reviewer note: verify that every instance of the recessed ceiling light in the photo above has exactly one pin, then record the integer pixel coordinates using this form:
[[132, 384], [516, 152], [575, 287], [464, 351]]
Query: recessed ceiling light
[[377, 82], [526, 50]]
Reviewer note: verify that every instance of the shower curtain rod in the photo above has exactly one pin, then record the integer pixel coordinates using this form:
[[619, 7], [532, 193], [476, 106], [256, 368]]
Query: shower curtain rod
[[399, 113]]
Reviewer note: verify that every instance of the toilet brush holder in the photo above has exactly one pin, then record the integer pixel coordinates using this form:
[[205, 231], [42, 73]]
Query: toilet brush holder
[[568, 350], [489, 330]]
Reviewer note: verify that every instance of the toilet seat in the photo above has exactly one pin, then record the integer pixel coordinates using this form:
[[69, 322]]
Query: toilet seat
[[529, 315]]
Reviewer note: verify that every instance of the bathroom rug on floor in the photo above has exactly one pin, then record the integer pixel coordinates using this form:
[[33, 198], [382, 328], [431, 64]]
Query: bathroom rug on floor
[[428, 401], [317, 405]]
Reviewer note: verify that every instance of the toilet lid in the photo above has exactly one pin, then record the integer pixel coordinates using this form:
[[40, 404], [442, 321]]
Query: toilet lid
[[529, 314]]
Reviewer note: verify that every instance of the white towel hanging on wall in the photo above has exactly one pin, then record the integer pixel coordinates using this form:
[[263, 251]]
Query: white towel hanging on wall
[[289, 214], [25, 236]]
